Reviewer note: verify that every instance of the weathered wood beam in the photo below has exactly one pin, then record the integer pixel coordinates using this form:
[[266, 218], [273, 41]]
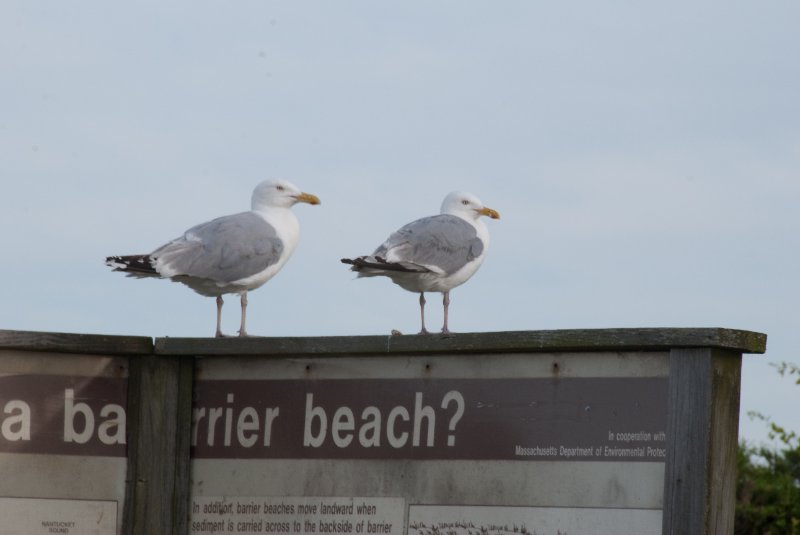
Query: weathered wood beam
[[491, 342]]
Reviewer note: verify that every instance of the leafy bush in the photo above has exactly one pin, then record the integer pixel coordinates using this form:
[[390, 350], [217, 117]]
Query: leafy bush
[[768, 481]]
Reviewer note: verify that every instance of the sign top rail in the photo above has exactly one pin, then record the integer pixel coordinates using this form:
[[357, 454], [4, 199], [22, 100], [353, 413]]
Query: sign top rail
[[548, 341], [92, 344], [573, 340]]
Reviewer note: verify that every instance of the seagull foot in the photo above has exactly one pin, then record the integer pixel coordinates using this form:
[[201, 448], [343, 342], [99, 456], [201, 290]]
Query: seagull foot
[[248, 335]]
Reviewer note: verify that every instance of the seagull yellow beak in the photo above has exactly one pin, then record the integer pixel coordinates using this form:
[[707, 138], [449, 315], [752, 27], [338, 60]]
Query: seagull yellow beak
[[307, 197], [494, 214]]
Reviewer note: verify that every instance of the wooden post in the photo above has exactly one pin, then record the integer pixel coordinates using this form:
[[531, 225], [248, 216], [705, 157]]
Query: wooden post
[[159, 431], [702, 431]]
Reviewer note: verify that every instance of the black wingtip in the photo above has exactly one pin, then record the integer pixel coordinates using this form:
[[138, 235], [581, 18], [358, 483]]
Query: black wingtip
[[140, 264], [380, 264]]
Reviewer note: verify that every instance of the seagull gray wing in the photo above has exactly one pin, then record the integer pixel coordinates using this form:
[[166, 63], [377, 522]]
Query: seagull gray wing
[[441, 243], [226, 249]]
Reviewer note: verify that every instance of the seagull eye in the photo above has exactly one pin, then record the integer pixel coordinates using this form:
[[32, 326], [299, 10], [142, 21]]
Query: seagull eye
[[465, 202], [280, 188]]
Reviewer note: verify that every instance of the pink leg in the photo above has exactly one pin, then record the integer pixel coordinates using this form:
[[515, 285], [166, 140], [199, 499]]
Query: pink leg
[[446, 303], [242, 329], [422, 312], [219, 317]]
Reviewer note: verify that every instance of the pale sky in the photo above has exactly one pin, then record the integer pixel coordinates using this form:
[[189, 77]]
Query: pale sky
[[645, 159]]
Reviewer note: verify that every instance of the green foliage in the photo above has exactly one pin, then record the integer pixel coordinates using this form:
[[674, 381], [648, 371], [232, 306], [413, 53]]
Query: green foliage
[[768, 481]]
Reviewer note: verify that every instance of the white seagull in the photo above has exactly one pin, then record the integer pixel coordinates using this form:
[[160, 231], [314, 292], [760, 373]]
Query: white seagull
[[232, 254], [433, 254]]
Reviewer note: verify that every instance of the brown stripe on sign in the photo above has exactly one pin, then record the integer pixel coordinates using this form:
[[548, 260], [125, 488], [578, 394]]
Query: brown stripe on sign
[[66, 415], [569, 419]]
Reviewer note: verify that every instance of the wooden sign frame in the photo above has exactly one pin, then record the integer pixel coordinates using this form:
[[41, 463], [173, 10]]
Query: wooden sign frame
[[702, 425]]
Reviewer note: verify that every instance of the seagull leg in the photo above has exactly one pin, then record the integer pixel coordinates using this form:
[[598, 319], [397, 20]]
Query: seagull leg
[[422, 312], [446, 303], [219, 317], [242, 329]]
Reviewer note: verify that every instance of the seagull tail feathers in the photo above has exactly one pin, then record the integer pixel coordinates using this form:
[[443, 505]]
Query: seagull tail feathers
[[375, 265], [139, 265]]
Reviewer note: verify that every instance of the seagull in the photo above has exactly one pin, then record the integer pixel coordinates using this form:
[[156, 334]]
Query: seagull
[[232, 254], [433, 254]]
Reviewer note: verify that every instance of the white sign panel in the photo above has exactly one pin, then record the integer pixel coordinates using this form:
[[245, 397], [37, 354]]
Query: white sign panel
[[468, 520], [297, 515], [35, 516]]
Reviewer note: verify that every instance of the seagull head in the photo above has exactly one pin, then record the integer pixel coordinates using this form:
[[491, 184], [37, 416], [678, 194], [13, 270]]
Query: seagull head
[[467, 206], [279, 194]]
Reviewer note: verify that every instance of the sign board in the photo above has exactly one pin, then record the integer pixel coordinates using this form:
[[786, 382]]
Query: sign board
[[531, 432], [541, 443], [62, 443]]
